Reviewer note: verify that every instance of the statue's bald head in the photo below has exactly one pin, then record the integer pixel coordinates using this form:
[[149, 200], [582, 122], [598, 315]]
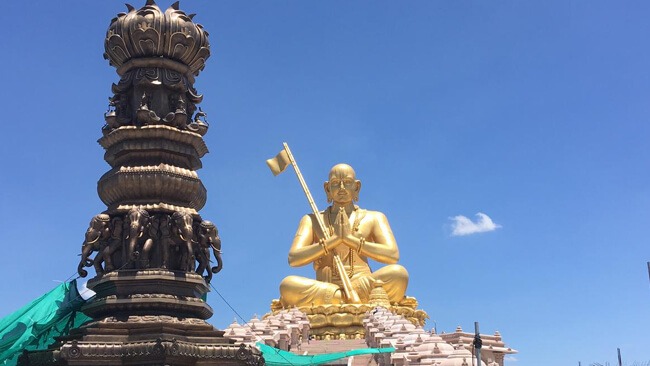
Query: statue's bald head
[[342, 186], [342, 170]]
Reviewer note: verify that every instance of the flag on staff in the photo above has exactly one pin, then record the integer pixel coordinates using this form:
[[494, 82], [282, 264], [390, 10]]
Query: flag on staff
[[279, 163]]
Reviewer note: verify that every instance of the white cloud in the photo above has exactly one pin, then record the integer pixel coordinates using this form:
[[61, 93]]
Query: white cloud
[[511, 358], [462, 225]]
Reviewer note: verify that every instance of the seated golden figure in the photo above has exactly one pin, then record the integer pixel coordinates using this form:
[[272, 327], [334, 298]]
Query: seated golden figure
[[355, 236]]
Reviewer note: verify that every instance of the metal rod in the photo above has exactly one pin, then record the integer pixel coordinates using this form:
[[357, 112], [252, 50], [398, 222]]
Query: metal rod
[[477, 344], [312, 204]]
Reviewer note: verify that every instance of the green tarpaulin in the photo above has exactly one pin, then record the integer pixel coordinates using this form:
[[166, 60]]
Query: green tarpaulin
[[276, 357], [34, 326]]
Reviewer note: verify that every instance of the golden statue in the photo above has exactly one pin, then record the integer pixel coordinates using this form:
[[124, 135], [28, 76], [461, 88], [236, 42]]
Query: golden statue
[[339, 242], [355, 235]]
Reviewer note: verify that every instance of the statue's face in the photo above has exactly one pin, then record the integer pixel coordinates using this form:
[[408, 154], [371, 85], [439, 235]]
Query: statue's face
[[342, 187]]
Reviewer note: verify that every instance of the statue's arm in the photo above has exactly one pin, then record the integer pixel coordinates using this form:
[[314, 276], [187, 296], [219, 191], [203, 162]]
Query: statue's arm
[[380, 245], [305, 248]]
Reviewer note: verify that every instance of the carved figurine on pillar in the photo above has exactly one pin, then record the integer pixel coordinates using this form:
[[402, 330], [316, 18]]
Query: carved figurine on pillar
[[116, 243], [208, 238], [96, 235], [183, 232], [139, 245], [138, 240]]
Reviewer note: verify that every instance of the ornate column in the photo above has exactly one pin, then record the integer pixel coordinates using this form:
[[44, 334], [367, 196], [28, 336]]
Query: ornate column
[[150, 249]]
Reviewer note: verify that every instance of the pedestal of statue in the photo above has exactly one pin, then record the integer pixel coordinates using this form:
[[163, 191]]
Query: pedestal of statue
[[345, 321]]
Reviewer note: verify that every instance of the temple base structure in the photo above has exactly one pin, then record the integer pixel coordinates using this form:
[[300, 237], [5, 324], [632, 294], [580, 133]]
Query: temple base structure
[[345, 321]]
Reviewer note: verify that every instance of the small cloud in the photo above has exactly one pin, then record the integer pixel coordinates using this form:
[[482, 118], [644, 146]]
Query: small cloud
[[462, 225], [511, 358]]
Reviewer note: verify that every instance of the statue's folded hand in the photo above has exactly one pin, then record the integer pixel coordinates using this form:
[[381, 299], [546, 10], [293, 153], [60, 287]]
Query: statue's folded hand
[[351, 241], [331, 243]]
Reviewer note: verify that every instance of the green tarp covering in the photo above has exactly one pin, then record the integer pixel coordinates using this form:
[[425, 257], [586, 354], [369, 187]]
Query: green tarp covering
[[276, 357], [34, 326]]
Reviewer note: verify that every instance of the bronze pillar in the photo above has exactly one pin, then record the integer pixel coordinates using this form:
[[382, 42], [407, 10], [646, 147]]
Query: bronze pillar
[[150, 249]]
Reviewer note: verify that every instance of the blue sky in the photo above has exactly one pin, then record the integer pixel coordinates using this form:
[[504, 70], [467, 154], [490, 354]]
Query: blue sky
[[535, 114]]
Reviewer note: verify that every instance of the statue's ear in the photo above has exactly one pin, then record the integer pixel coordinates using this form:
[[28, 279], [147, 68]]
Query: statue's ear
[[357, 189], [326, 185]]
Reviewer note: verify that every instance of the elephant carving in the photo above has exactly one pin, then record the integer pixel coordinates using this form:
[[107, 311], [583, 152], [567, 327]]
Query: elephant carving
[[115, 243], [138, 225], [97, 234], [182, 233], [208, 238]]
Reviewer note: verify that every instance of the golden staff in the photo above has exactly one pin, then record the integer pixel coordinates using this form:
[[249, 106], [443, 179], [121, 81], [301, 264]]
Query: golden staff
[[277, 165]]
